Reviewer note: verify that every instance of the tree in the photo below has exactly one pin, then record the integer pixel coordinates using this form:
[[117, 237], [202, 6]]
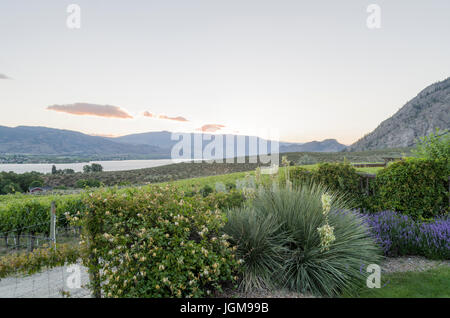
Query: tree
[[95, 167], [11, 188], [54, 171], [434, 146], [36, 184], [87, 169]]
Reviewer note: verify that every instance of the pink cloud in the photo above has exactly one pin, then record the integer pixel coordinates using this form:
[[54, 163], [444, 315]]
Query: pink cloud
[[178, 118], [210, 127], [81, 109], [148, 114]]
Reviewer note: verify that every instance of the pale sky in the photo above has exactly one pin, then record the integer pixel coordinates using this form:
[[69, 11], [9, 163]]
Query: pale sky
[[310, 69]]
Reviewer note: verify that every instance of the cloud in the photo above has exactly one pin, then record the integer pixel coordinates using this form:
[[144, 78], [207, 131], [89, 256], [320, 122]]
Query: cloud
[[211, 128], [148, 114], [3, 76], [107, 111], [178, 118]]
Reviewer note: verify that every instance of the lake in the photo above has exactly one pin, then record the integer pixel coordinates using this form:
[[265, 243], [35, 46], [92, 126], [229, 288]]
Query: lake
[[118, 165]]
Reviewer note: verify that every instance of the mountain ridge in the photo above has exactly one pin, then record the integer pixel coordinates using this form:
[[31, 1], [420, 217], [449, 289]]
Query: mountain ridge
[[39, 140], [419, 117]]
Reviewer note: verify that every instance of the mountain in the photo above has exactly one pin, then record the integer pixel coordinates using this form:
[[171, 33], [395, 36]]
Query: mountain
[[24, 140], [162, 139], [327, 145], [419, 117], [49, 141]]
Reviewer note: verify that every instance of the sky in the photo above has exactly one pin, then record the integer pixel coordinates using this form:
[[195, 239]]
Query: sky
[[309, 70]]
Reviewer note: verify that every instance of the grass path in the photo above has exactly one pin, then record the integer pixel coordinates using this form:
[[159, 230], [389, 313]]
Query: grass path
[[432, 283]]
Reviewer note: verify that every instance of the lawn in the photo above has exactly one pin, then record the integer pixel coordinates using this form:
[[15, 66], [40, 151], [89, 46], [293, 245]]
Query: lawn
[[432, 283]]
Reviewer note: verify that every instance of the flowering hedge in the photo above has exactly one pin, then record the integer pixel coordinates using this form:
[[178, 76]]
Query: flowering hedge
[[45, 257], [155, 242], [400, 235]]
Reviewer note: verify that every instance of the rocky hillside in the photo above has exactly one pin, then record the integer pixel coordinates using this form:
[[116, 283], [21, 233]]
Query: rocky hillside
[[419, 117]]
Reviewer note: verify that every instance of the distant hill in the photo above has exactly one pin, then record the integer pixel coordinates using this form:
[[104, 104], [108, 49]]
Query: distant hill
[[48, 141], [26, 140], [419, 117], [327, 145], [162, 139]]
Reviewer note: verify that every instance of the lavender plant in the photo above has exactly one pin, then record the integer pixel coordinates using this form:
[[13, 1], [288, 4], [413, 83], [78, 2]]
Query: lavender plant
[[399, 234]]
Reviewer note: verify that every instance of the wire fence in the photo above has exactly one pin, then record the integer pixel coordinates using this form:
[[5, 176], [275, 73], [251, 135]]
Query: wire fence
[[69, 280], [25, 239], [61, 282]]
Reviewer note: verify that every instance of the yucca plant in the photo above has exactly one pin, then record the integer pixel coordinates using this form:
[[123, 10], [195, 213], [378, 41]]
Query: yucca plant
[[260, 244], [279, 241]]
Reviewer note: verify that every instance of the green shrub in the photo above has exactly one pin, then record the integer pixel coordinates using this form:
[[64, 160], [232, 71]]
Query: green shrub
[[155, 242], [297, 175], [337, 177], [416, 187], [225, 200], [91, 183], [278, 239], [36, 184], [206, 190], [435, 146]]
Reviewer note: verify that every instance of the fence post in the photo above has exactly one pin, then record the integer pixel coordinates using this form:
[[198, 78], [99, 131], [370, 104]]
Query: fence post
[[53, 224]]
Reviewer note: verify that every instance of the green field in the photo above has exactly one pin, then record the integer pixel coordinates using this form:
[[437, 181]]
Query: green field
[[427, 284]]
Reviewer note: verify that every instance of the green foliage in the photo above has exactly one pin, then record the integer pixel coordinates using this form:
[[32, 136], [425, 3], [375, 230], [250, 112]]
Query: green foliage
[[31, 214], [278, 240], [11, 182], [155, 242], [225, 200], [95, 167], [91, 183], [11, 188], [87, 169], [206, 190], [434, 146], [416, 187], [36, 184], [337, 177], [29, 263], [306, 160]]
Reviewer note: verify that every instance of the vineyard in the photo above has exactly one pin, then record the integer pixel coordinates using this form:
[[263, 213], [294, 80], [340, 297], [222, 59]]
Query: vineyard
[[25, 220], [42, 234]]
